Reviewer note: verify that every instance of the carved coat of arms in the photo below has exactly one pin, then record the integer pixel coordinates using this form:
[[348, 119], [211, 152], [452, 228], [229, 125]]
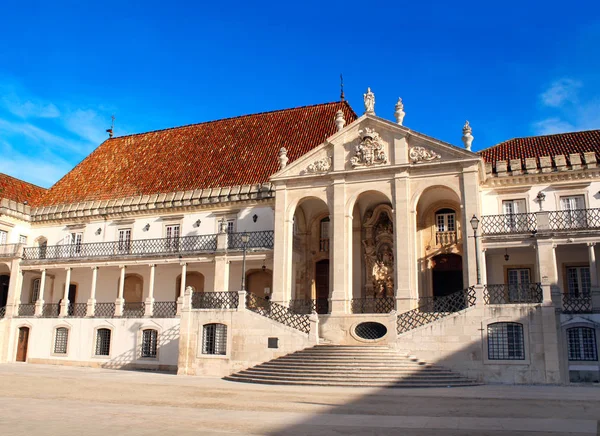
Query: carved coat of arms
[[369, 151]]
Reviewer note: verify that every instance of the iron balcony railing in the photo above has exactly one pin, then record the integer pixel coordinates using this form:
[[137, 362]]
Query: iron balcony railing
[[528, 293], [320, 305], [133, 310], [581, 219], [77, 310], [164, 309], [104, 310], [256, 240], [50, 310], [278, 313], [27, 310], [9, 250], [372, 305], [140, 247], [577, 303], [2, 311], [508, 223], [215, 300]]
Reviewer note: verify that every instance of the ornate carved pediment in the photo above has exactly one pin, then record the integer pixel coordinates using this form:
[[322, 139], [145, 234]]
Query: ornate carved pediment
[[421, 154], [319, 166], [370, 150]]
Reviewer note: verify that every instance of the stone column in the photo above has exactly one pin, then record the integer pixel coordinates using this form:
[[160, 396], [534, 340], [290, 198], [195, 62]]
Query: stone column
[[594, 288], [483, 266], [241, 300], [149, 309], [546, 269], [39, 304], [407, 293], [182, 288], [282, 250], [339, 253], [221, 274], [64, 304], [91, 304], [470, 202], [15, 287], [120, 302]]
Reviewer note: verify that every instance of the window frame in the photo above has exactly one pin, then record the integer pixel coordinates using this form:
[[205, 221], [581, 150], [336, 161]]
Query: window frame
[[582, 343], [55, 339], [219, 345], [446, 221], [124, 244], [3, 237], [35, 281], [95, 343], [580, 289], [153, 346], [486, 342]]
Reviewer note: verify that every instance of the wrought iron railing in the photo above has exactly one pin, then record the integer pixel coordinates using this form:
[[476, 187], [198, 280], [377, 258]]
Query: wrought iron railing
[[320, 305], [164, 309], [324, 245], [215, 300], [574, 219], [140, 247], [432, 309], [77, 310], [508, 223], [528, 293], [445, 238], [104, 310], [2, 311], [577, 303], [9, 250], [50, 310], [372, 305], [26, 309], [256, 240], [277, 313], [133, 310]]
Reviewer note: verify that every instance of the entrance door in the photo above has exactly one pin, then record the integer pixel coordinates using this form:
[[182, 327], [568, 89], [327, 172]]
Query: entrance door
[[4, 281], [322, 285], [22, 344], [447, 274], [72, 296]]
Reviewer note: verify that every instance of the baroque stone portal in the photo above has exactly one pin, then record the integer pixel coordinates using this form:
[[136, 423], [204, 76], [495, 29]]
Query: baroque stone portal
[[378, 246]]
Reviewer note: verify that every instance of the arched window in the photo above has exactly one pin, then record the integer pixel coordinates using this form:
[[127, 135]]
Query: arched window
[[582, 343], [149, 343], [61, 339], [214, 339], [103, 342], [505, 341], [324, 234], [35, 290]]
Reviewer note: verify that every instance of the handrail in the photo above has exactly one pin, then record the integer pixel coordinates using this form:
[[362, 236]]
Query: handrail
[[260, 239]]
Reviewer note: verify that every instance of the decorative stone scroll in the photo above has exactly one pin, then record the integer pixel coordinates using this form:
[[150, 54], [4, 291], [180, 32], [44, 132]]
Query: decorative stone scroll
[[421, 154], [370, 150], [320, 166]]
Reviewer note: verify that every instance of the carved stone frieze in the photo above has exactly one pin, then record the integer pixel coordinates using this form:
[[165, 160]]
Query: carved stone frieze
[[421, 154], [319, 166], [370, 150]]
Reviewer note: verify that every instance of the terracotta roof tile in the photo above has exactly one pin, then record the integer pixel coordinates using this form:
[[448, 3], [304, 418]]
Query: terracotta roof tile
[[548, 145], [233, 151], [18, 190]]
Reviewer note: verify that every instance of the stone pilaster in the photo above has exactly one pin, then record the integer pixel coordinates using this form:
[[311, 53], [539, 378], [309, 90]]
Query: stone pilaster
[[339, 252]]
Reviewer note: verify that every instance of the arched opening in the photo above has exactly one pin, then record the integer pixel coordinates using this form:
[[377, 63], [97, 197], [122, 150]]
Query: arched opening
[[259, 282], [322, 286], [447, 274], [133, 289], [373, 255], [193, 279], [311, 246], [4, 282], [22, 344]]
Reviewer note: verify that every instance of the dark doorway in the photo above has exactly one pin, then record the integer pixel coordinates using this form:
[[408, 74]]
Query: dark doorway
[[22, 344], [322, 286], [72, 296], [447, 274], [4, 281]]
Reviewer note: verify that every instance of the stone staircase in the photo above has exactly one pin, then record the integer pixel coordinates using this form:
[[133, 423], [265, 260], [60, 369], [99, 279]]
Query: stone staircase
[[338, 365]]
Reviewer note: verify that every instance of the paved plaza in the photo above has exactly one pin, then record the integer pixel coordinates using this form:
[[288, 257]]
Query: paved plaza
[[49, 400]]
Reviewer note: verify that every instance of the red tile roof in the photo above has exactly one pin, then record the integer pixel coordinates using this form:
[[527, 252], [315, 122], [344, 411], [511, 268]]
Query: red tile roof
[[233, 151], [548, 145], [18, 190]]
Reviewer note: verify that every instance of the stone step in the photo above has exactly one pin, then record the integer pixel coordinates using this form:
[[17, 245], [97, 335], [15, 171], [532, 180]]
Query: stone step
[[353, 383], [351, 370], [345, 365], [349, 376]]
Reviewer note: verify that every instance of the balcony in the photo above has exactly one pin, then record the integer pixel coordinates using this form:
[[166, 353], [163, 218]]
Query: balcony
[[8, 251], [445, 238], [526, 293], [543, 221], [256, 241]]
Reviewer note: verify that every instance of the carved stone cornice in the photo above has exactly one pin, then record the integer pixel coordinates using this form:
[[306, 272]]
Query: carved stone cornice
[[542, 178], [319, 166]]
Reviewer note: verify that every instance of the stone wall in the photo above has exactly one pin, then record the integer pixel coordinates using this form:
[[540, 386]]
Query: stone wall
[[459, 342], [247, 341]]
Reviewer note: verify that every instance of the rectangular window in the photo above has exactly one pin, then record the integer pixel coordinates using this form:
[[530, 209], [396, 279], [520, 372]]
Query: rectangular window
[[74, 241], [61, 340], [172, 236], [103, 342], [149, 343], [214, 339], [230, 226], [23, 239], [518, 285], [35, 290], [446, 222], [510, 208], [574, 215], [505, 341], [582, 344], [3, 237], [578, 280], [124, 240]]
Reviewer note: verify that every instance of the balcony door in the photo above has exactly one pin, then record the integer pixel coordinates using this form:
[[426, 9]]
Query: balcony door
[[519, 280], [575, 213], [22, 344], [4, 281], [447, 274], [511, 209], [322, 285], [578, 281]]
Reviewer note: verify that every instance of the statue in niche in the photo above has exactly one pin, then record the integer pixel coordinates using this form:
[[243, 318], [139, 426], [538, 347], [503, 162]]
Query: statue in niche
[[383, 273], [379, 253]]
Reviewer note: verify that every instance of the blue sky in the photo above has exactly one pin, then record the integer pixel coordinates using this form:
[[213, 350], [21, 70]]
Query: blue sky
[[511, 68]]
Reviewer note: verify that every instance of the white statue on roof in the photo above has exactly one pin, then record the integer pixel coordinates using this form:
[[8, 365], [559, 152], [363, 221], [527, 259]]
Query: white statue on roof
[[467, 136], [369, 102]]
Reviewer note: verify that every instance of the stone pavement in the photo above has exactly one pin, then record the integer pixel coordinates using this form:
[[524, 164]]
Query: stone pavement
[[48, 400]]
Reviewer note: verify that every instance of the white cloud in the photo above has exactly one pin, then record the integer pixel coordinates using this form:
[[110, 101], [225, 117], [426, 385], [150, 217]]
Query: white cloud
[[30, 108], [553, 125], [560, 92], [87, 124]]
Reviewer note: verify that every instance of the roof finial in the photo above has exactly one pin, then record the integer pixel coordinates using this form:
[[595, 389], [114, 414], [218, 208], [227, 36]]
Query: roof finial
[[112, 127], [369, 102], [340, 122], [283, 159], [342, 96], [399, 114], [467, 138]]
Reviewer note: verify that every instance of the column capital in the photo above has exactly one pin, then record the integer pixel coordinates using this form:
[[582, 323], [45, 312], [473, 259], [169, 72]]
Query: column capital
[[183, 263], [122, 266], [68, 268], [94, 267], [591, 244], [152, 265]]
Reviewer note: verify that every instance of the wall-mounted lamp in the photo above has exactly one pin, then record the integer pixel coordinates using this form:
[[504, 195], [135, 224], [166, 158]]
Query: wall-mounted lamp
[[255, 218], [540, 198], [99, 230], [147, 227], [197, 223], [506, 256]]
